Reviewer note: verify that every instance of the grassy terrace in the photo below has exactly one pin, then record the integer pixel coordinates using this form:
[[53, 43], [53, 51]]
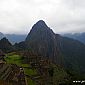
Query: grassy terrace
[[17, 59], [14, 59]]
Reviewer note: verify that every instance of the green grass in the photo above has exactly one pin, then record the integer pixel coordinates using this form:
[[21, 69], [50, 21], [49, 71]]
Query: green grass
[[30, 72], [14, 59], [25, 65]]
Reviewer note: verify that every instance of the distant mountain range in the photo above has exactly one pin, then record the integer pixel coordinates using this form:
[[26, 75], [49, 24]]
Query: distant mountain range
[[13, 38], [77, 36], [65, 52]]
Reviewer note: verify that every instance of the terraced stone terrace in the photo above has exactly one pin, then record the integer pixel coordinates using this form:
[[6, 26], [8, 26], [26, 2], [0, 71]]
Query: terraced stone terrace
[[32, 71], [10, 73]]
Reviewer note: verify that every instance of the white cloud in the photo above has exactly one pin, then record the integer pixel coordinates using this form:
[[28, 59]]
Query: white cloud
[[18, 16]]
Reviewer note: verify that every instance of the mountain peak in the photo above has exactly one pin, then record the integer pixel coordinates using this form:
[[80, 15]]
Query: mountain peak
[[40, 24], [40, 28], [5, 40]]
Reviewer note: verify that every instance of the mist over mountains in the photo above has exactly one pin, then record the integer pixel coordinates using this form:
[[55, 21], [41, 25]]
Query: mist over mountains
[[77, 36]]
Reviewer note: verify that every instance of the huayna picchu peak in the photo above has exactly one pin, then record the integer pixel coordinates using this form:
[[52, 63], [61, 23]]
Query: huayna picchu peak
[[42, 40], [40, 24], [40, 28]]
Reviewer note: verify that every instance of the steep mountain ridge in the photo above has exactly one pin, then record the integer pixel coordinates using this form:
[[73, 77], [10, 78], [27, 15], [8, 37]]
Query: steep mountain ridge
[[1, 35], [73, 54], [5, 45]]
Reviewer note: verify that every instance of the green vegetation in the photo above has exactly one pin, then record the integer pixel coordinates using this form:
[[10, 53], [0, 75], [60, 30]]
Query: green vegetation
[[16, 59], [13, 58], [60, 76], [30, 81], [30, 72]]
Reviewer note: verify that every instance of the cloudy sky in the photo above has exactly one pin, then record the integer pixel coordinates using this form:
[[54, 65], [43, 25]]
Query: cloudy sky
[[18, 16]]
